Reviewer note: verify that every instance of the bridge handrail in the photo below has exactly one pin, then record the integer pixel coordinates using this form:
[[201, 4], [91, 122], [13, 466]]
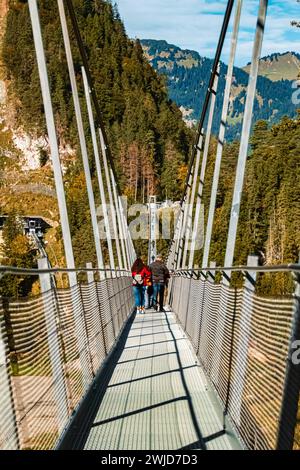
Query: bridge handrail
[[290, 268], [271, 268], [246, 343], [36, 271], [53, 344]]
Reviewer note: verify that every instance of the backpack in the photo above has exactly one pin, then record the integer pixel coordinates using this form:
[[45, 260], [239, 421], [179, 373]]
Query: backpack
[[138, 280]]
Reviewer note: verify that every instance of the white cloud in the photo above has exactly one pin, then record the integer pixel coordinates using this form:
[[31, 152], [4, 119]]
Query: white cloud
[[196, 24]]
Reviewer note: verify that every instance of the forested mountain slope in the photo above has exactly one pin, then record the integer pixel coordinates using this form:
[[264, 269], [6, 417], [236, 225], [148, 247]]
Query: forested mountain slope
[[150, 142], [270, 210], [187, 75], [145, 128]]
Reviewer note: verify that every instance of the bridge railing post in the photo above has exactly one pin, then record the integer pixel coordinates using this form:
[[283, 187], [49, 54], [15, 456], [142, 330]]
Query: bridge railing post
[[99, 333], [128, 242], [212, 272], [201, 318], [188, 292], [291, 392], [90, 274], [238, 376], [220, 323], [177, 238], [51, 320]]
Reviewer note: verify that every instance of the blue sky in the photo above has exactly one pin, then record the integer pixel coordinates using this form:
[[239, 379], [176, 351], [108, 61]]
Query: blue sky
[[196, 24]]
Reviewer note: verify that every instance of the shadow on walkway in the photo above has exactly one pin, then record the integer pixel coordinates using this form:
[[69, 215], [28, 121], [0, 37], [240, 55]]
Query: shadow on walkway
[[78, 432], [84, 420]]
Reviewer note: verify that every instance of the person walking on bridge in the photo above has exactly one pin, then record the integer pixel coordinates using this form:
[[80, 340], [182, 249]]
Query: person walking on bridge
[[160, 277], [140, 278]]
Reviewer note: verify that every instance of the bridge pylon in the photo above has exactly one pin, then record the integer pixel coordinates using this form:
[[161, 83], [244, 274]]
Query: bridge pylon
[[153, 229]]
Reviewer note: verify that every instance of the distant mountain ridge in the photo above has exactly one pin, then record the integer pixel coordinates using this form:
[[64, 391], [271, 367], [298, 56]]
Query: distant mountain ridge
[[279, 66], [188, 73]]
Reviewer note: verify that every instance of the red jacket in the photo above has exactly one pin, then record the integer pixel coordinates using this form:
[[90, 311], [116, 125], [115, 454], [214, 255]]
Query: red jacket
[[146, 276]]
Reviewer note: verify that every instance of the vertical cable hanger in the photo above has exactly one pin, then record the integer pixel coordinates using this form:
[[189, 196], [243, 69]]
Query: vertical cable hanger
[[99, 118], [214, 72]]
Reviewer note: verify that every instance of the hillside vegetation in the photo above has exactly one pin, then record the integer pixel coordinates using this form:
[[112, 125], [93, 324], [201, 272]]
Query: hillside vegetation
[[149, 140], [145, 128], [187, 74], [277, 66], [270, 210]]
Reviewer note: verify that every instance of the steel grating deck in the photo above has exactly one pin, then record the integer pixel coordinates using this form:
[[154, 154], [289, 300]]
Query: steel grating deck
[[157, 396]]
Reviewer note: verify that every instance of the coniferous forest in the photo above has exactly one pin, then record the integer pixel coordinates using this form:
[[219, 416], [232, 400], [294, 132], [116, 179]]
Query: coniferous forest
[[270, 210], [150, 142], [187, 75], [140, 119], [144, 127]]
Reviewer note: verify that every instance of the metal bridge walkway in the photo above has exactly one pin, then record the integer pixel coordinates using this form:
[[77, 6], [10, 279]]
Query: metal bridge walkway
[[156, 395]]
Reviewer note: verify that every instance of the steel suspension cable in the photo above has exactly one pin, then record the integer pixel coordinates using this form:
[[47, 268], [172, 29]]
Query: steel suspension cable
[[210, 87], [85, 61], [209, 92]]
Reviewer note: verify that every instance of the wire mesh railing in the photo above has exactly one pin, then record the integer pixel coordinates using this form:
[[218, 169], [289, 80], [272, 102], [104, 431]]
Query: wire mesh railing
[[52, 346], [243, 342]]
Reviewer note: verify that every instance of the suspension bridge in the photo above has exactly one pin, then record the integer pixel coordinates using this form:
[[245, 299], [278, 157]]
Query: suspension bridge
[[217, 369]]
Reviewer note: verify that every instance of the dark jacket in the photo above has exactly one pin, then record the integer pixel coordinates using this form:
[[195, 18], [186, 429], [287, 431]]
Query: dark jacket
[[160, 272]]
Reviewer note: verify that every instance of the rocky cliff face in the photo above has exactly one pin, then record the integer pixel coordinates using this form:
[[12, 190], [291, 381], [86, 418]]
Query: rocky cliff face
[[27, 148]]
